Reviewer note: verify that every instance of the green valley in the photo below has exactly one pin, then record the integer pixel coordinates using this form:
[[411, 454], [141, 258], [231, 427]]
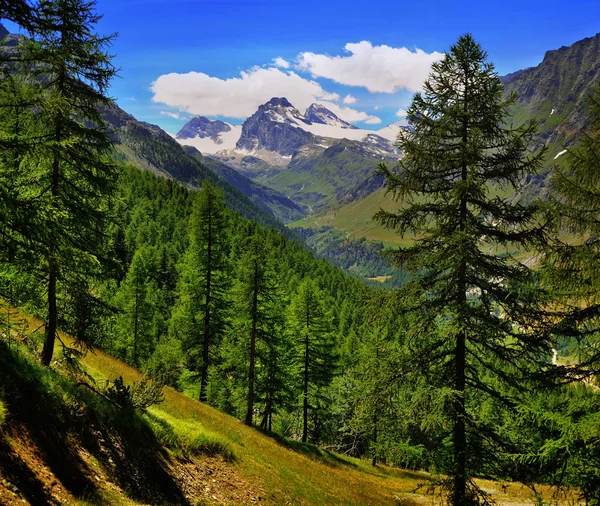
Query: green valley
[[286, 302]]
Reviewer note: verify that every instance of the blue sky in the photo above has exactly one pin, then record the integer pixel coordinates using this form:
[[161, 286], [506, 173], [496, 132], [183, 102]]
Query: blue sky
[[219, 40]]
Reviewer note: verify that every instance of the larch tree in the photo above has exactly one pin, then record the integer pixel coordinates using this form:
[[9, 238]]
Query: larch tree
[[476, 311], [200, 314], [572, 270], [575, 192], [257, 292], [73, 173], [315, 357]]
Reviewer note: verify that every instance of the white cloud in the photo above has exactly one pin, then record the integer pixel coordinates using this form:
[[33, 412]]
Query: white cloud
[[382, 69], [236, 97], [349, 99], [174, 115], [401, 113], [280, 62], [351, 115]]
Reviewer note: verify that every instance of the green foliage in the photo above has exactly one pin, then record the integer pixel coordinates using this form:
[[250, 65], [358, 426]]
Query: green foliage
[[477, 313], [138, 396], [315, 359], [165, 365], [58, 141], [200, 321], [571, 271]]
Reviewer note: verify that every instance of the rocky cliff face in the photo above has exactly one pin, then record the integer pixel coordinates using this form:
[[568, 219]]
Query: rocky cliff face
[[555, 93], [275, 127], [319, 114], [203, 127]]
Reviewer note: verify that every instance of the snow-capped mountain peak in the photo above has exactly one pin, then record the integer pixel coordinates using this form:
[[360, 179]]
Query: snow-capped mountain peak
[[318, 113], [208, 135], [278, 127], [203, 127], [280, 110]]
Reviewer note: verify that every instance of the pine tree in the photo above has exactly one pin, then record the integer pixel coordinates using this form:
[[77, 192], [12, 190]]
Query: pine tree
[[73, 173], [315, 357], [258, 304], [477, 306], [200, 316], [135, 331], [575, 192]]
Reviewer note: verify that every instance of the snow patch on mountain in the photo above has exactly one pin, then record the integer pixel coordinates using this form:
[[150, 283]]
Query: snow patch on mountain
[[560, 154], [214, 136], [210, 145]]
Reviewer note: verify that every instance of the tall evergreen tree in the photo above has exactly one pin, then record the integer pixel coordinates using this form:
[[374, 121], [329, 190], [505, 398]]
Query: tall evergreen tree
[[138, 300], [572, 270], [315, 356], [258, 306], [73, 172], [466, 283], [576, 200], [199, 318]]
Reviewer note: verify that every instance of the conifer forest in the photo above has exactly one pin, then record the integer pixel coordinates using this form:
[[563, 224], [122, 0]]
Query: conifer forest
[[474, 356]]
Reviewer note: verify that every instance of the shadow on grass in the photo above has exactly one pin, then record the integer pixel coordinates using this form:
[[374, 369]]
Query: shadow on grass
[[309, 450], [60, 420]]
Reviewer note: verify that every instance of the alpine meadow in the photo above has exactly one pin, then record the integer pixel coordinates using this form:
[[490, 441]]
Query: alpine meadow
[[247, 290]]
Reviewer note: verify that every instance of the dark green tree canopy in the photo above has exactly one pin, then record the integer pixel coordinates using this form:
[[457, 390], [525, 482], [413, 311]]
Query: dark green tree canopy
[[477, 306]]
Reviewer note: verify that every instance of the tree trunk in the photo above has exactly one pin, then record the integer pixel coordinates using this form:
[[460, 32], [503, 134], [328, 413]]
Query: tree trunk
[[206, 340], [250, 407], [51, 321], [305, 391], [374, 458], [205, 353], [459, 486], [460, 438]]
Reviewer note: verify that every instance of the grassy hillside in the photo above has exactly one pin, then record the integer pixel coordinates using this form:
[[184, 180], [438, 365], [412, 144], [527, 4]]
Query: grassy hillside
[[322, 181], [356, 219], [62, 443]]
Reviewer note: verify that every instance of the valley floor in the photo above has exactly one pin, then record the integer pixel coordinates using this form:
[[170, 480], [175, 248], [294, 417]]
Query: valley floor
[[74, 453]]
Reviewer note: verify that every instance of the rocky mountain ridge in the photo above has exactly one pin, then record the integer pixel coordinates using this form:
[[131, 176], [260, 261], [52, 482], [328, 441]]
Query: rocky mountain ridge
[[555, 93], [278, 132]]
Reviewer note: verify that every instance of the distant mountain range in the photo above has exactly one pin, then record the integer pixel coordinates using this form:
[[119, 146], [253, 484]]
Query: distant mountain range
[[279, 131], [554, 93], [316, 159]]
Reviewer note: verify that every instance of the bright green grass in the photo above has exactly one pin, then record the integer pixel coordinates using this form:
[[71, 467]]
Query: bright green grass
[[356, 218], [187, 435], [284, 471]]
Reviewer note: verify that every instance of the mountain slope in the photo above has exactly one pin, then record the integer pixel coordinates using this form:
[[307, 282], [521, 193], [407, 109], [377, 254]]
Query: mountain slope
[[268, 199], [325, 179], [555, 92], [150, 148], [112, 457]]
